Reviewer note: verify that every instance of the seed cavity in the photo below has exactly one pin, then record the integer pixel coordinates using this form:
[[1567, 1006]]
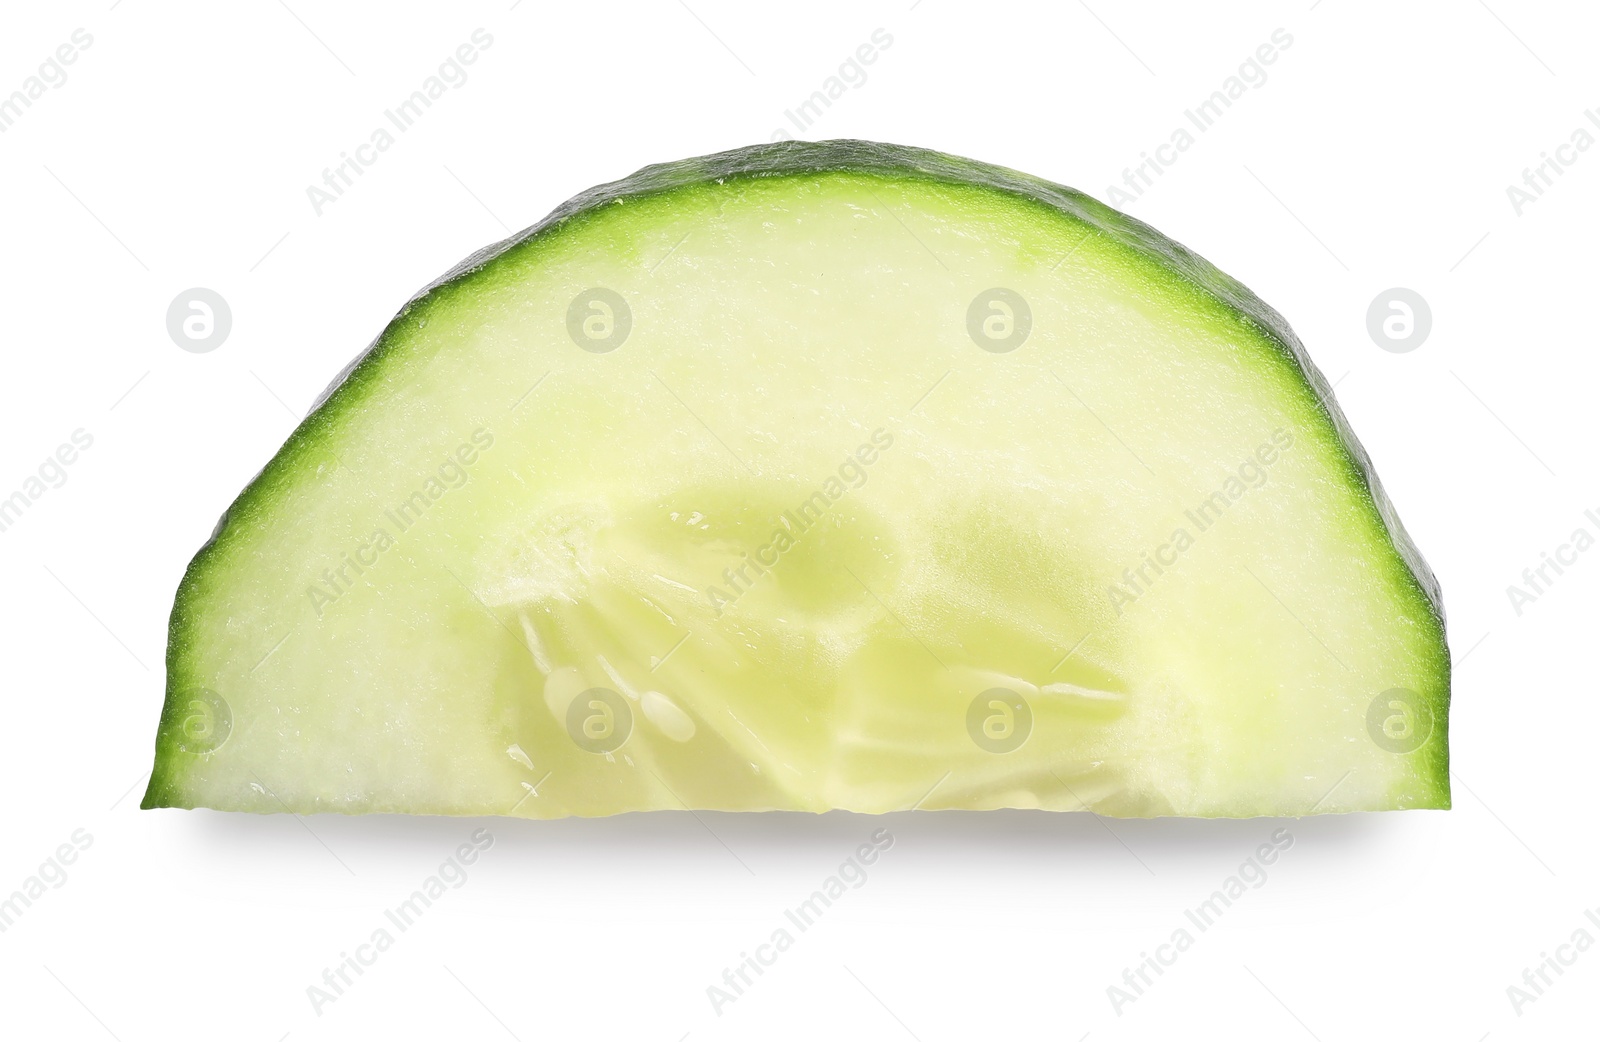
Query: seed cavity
[[666, 715], [560, 688], [1084, 696], [535, 645]]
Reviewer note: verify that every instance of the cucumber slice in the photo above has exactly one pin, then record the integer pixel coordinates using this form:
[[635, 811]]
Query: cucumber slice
[[812, 476]]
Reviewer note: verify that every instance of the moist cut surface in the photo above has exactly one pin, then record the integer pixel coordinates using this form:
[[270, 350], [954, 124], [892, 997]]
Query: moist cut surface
[[809, 477]]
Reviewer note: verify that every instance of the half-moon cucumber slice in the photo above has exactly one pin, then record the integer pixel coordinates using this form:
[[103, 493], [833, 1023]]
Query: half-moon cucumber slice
[[813, 476]]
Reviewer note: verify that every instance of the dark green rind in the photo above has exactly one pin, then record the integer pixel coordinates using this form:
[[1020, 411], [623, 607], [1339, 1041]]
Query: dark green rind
[[800, 158]]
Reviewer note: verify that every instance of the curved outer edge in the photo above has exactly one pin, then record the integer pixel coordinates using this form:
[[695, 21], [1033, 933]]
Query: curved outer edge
[[856, 156], [791, 157]]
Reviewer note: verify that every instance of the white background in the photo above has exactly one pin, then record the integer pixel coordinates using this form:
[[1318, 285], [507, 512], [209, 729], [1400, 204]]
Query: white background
[[1377, 154]]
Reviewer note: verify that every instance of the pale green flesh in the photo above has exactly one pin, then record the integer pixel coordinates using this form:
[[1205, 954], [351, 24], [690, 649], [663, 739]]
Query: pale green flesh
[[779, 324]]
